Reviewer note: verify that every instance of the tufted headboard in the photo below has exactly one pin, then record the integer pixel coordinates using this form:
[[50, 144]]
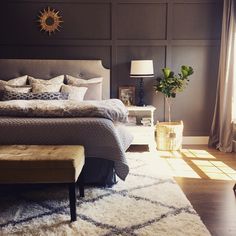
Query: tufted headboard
[[45, 69]]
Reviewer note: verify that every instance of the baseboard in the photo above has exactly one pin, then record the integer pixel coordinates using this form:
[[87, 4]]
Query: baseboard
[[195, 140], [201, 140]]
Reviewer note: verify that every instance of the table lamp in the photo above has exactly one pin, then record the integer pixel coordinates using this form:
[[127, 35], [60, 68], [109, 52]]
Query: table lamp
[[141, 69]]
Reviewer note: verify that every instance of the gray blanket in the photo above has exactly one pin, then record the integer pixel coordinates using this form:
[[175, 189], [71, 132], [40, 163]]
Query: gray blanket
[[112, 109]]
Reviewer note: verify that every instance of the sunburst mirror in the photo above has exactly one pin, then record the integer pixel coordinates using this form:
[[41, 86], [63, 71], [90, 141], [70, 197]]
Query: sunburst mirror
[[49, 20]]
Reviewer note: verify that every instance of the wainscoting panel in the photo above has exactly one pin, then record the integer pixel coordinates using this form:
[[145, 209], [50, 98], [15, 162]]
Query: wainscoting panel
[[142, 21], [197, 20], [195, 105]]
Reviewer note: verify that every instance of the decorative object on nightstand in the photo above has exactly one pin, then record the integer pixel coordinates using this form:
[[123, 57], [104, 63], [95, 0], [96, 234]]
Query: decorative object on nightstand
[[141, 69], [127, 95], [169, 134]]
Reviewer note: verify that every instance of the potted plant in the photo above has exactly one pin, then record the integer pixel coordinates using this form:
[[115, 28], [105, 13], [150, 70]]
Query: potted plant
[[169, 134]]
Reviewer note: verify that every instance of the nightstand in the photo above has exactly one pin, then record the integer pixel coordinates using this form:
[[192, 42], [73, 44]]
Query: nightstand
[[141, 124]]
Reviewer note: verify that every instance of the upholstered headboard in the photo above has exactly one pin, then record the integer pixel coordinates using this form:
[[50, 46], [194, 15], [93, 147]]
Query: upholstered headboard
[[45, 69]]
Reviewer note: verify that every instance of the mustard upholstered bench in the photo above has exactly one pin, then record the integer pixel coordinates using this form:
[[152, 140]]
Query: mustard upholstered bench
[[20, 164]]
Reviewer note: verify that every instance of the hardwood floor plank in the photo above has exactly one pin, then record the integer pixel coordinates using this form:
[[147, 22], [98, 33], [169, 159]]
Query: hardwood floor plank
[[215, 202]]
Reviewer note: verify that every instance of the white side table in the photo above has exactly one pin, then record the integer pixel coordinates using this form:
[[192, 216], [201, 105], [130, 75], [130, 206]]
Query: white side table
[[143, 134]]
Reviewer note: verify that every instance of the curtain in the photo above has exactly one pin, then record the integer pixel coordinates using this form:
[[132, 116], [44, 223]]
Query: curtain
[[221, 134]]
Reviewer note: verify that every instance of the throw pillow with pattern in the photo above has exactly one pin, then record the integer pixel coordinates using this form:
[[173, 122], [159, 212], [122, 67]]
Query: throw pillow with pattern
[[32, 96]]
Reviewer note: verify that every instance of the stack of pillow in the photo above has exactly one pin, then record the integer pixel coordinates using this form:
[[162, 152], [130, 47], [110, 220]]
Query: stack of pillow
[[27, 88]]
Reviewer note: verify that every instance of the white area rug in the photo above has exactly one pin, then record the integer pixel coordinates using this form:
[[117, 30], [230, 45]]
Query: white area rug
[[148, 203]]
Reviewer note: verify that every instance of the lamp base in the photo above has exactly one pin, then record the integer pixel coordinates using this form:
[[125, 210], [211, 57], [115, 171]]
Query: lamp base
[[141, 93], [140, 104]]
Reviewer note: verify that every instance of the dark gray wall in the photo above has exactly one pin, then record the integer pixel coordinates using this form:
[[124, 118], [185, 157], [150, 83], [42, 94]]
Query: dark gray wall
[[171, 32]]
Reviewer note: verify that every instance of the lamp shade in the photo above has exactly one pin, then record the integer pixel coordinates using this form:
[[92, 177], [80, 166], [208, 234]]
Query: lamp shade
[[141, 68]]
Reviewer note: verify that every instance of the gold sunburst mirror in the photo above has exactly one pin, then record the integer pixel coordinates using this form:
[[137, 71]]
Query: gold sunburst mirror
[[49, 20]]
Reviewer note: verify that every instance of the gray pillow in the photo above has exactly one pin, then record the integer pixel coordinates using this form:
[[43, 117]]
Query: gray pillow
[[33, 96], [75, 93], [94, 86]]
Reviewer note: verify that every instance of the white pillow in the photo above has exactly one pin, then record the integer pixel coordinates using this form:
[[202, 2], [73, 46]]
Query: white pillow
[[56, 80], [94, 86], [75, 93], [18, 89], [19, 81], [45, 88]]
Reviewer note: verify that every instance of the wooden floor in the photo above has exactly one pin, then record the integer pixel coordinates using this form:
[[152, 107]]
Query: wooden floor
[[211, 192], [214, 201], [207, 177]]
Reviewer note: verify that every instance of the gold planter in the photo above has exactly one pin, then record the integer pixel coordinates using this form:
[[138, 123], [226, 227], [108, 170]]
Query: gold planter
[[169, 135]]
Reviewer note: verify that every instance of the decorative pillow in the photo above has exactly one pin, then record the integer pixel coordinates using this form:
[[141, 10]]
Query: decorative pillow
[[33, 96], [94, 86], [18, 89], [19, 81], [56, 80], [45, 88], [75, 93]]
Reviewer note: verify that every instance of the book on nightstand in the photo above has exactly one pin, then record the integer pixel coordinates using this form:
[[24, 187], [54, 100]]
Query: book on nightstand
[[146, 121], [132, 121]]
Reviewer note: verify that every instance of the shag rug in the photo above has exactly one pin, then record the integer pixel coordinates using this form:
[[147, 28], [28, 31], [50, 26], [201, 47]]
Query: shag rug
[[148, 203]]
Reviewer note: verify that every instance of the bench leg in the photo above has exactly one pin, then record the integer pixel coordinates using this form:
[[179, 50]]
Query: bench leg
[[72, 197], [81, 183]]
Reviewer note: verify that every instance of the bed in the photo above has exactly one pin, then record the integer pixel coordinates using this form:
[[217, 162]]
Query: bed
[[105, 139]]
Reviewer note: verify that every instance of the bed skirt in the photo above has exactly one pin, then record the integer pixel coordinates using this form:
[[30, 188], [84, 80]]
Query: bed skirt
[[99, 172]]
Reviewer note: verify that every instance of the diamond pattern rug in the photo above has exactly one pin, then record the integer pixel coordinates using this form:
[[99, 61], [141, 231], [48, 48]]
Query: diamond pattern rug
[[148, 203]]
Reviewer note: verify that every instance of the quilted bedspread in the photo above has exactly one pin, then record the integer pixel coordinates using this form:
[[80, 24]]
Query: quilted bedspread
[[112, 109], [102, 137]]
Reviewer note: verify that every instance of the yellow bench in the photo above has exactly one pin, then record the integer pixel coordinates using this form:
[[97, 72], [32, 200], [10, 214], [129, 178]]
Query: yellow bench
[[20, 164]]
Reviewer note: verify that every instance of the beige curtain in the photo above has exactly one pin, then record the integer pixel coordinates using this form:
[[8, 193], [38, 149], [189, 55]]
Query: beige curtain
[[221, 134]]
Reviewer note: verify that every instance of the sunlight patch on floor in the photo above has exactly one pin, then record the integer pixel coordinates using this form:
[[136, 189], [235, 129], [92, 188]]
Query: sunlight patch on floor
[[187, 153], [179, 168], [193, 163], [216, 170], [192, 153]]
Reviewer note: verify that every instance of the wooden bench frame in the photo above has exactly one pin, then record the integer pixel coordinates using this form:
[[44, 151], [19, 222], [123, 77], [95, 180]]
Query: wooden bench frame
[[70, 170], [73, 195]]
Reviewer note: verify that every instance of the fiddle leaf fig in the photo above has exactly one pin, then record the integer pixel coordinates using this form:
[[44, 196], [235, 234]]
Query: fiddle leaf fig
[[170, 84], [166, 72]]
